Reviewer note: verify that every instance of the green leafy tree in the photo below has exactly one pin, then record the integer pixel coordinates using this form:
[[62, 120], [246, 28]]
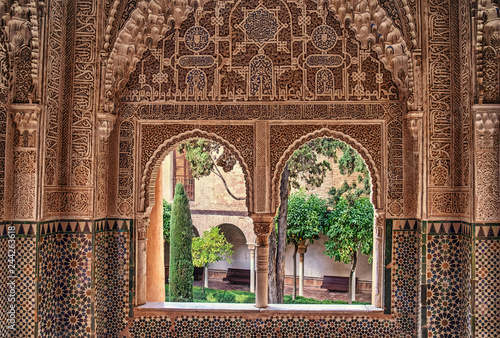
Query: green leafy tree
[[306, 220], [205, 158], [210, 248], [181, 260], [349, 230], [167, 214]]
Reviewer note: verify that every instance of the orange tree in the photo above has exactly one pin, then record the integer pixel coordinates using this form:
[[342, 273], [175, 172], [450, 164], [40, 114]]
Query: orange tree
[[307, 216], [349, 230], [210, 248]]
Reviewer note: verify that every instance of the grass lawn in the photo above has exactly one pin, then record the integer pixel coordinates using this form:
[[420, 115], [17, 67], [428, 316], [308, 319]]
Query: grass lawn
[[238, 296]]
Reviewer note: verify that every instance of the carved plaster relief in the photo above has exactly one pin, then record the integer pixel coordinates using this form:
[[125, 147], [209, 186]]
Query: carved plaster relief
[[25, 118], [106, 123], [487, 150], [488, 49], [21, 26], [150, 21]]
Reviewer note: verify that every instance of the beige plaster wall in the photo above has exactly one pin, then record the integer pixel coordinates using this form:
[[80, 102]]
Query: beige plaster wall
[[317, 264]]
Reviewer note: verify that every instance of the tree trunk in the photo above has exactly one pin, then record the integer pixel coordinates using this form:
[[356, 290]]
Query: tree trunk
[[351, 274], [273, 292], [281, 241], [294, 272]]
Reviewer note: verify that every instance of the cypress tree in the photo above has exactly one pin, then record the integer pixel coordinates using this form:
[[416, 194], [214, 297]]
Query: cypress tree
[[181, 259]]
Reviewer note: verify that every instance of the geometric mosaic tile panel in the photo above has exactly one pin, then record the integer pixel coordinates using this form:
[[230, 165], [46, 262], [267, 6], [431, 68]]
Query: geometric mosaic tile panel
[[466, 253], [275, 326], [65, 289], [487, 297], [112, 254], [405, 276], [445, 285], [21, 282], [449, 269]]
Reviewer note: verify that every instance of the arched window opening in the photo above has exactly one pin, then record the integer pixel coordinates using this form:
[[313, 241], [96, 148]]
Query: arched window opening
[[217, 199], [326, 212]]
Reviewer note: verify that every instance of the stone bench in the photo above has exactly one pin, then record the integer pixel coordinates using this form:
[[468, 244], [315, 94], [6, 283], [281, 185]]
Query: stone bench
[[334, 283], [237, 276]]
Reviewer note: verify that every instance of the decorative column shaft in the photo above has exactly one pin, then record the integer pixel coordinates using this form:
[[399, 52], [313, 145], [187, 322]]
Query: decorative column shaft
[[302, 249], [142, 246], [378, 253], [262, 228], [24, 197], [251, 247], [105, 125], [487, 158], [155, 254]]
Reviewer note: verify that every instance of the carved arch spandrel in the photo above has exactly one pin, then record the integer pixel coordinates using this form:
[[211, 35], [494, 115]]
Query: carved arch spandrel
[[150, 21], [372, 162], [153, 162]]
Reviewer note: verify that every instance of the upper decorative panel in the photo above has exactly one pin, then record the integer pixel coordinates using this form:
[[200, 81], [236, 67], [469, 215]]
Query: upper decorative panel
[[238, 51]]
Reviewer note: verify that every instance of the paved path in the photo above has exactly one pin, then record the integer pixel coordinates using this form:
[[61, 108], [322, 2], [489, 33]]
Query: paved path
[[309, 292]]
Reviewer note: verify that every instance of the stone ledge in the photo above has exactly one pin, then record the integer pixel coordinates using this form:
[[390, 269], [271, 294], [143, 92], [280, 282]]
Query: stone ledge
[[214, 309]]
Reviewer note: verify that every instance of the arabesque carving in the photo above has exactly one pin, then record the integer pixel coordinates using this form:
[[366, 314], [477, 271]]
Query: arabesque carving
[[20, 22], [152, 21], [26, 121], [487, 149], [488, 51]]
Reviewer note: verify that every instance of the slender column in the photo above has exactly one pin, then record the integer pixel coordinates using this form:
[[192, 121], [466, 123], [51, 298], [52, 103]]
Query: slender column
[[262, 229], [301, 250], [205, 280], [142, 245], [354, 285], [25, 156], [378, 253], [251, 247], [155, 255], [487, 158]]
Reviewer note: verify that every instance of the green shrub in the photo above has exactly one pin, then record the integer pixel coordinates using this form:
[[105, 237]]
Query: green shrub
[[221, 297], [181, 260]]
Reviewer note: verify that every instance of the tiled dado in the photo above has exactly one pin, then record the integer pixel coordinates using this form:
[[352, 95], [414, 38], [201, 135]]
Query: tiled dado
[[487, 280], [446, 285], [20, 285], [112, 275], [272, 326], [65, 279], [402, 273]]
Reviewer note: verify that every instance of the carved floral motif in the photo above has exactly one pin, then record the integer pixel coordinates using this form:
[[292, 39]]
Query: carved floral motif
[[282, 48]]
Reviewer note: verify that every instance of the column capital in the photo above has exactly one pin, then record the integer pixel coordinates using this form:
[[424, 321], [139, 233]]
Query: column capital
[[262, 223], [251, 246], [142, 227], [106, 124], [25, 117], [379, 223]]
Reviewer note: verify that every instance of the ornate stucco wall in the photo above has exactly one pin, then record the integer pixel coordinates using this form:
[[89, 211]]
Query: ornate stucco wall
[[94, 94]]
